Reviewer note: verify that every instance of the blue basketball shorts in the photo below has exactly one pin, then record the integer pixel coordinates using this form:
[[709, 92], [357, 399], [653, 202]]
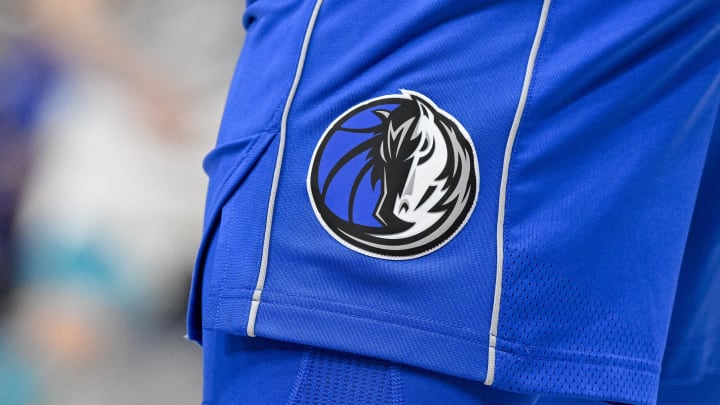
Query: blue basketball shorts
[[504, 197]]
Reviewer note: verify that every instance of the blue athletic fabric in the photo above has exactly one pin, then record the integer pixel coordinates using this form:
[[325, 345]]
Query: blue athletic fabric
[[242, 370], [601, 189]]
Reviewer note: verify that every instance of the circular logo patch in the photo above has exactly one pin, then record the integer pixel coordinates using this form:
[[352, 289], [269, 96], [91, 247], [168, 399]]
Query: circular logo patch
[[394, 177]]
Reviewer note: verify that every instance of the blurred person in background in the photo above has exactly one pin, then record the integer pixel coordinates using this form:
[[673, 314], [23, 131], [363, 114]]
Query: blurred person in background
[[27, 71], [83, 33], [105, 230], [55, 40]]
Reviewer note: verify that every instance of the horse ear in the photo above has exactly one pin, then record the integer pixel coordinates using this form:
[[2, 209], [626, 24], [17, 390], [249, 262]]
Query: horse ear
[[383, 114], [424, 107]]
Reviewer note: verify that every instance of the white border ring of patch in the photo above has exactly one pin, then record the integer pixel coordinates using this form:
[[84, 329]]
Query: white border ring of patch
[[403, 94]]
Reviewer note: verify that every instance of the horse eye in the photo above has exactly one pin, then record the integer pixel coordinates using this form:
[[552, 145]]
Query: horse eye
[[425, 145]]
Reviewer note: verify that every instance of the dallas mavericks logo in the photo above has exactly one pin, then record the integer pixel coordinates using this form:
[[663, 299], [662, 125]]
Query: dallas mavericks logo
[[394, 177]]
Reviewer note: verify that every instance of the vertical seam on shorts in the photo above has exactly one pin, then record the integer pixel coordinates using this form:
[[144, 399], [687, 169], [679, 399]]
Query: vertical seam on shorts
[[396, 385], [300, 377], [257, 294], [490, 376]]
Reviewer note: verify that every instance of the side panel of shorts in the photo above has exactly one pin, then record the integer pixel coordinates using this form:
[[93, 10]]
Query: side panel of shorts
[[240, 168], [693, 347], [601, 190]]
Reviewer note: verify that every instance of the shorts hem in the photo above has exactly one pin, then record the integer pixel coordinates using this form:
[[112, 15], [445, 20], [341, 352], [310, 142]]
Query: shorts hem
[[441, 348]]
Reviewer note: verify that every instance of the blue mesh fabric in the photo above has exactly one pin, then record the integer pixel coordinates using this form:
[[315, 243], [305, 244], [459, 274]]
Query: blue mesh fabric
[[336, 378]]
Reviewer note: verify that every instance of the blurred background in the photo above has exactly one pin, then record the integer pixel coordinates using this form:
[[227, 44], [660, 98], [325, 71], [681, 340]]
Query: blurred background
[[107, 108]]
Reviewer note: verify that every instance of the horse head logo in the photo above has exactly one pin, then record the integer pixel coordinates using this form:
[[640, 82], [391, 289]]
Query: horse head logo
[[420, 174]]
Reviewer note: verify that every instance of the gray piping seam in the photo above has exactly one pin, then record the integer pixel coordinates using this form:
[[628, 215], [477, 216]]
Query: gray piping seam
[[490, 377], [257, 294]]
